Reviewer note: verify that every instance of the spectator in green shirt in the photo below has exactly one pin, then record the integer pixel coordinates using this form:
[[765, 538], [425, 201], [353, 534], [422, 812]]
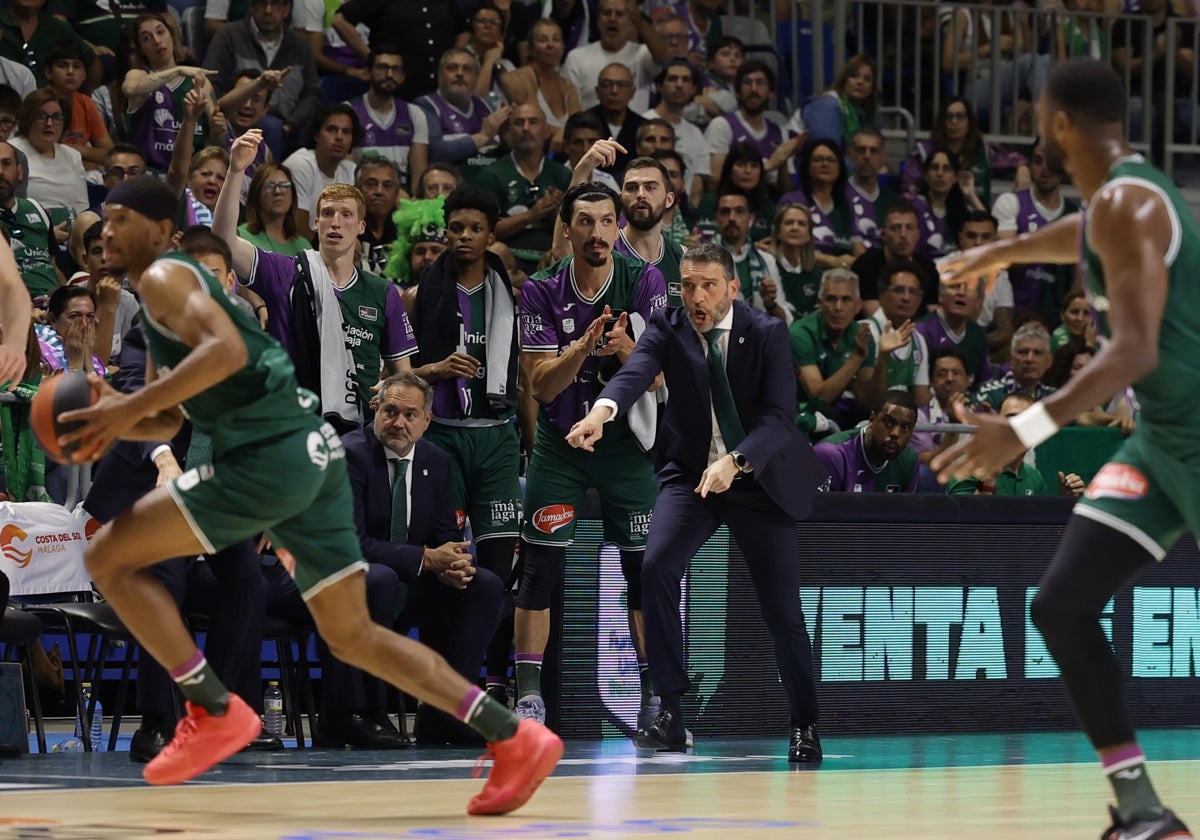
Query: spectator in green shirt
[[1018, 478], [835, 359], [26, 16]]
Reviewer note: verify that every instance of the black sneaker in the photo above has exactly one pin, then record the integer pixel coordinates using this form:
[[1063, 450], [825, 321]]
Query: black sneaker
[[146, 744], [1165, 827]]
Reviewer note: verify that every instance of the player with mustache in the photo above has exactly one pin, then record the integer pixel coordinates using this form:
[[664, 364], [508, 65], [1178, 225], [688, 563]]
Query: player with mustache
[[579, 320]]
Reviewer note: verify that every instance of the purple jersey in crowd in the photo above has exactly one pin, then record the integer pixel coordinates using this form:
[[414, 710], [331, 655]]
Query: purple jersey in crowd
[[454, 121], [742, 134], [850, 470], [1027, 279], [830, 234], [554, 313], [972, 343], [935, 242], [697, 42], [384, 138]]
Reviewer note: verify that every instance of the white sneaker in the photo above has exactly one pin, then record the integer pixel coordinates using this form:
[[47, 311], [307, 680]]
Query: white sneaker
[[531, 707]]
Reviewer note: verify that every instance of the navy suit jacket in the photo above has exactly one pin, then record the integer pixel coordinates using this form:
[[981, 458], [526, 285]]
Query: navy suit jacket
[[126, 473], [763, 380], [432, 519]]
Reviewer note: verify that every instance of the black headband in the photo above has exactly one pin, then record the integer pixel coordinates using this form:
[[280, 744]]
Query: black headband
[[146, 195]]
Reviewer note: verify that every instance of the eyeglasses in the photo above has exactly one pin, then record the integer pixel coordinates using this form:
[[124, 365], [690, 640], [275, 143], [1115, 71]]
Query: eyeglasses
[[43, 117], [612, 83], [398, 69], [487, 22], [955, 116], [279, 186], [120, 173]]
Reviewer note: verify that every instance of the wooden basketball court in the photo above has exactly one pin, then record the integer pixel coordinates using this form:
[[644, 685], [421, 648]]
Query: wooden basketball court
[[935, 787]]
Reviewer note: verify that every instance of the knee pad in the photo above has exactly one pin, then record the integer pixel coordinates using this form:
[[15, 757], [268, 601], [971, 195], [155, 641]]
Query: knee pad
[[631, 568], [543, 564]]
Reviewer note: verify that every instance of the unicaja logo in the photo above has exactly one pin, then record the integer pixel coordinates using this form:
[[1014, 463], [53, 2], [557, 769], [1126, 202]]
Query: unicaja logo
[[11, 539], [550, 519]]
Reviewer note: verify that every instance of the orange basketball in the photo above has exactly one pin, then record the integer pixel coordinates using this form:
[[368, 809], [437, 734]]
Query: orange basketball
[[58, 394]]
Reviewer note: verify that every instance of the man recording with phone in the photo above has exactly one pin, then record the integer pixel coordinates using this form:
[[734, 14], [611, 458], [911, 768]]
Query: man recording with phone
[[579, 322]]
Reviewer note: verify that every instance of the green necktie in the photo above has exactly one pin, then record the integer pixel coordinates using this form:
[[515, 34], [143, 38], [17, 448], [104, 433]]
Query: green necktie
[[400, 503], [722, 396]]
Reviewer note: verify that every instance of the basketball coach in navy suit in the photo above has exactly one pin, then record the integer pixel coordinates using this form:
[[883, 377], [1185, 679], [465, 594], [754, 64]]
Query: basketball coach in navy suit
[[407, 521], [731, 454]]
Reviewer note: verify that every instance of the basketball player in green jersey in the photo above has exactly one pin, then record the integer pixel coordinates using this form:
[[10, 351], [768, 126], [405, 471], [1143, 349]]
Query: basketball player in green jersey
[[277, 468], [1141, 268]]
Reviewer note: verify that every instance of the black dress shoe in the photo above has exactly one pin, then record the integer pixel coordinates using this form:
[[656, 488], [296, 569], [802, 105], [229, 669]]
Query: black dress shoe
[[434, 728], [666, 734], [264, 743], [805, 745], [356, 731], [384, 721], [146, 744]]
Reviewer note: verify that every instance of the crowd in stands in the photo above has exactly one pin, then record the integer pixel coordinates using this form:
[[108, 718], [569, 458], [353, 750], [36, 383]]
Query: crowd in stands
[[400, 106]]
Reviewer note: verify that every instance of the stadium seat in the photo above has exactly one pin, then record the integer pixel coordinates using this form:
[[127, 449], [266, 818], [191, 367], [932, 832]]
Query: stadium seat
[[341, 89], [100, 622], [191, 26], [21, 629]]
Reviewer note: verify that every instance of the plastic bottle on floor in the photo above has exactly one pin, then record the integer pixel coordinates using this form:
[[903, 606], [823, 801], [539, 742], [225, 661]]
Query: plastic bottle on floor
[[273, 710]]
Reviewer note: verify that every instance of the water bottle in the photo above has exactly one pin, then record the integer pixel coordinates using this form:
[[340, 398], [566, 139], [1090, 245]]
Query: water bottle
[[273, 710], [75, 743], [96, 730]]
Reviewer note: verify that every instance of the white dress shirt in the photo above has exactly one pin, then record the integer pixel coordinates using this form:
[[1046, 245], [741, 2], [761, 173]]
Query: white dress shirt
[[716, 449]]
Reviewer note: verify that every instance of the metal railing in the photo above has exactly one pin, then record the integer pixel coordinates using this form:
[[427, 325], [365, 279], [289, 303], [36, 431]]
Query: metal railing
[[1180, 69], [907, 39]]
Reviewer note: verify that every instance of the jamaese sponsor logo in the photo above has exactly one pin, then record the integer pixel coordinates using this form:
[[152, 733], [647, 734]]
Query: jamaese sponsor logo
[[1118, 481], [550, 519]]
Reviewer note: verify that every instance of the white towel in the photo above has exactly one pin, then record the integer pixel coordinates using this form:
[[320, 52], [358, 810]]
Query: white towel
[[338, 383], [498, 303], [643, 414]]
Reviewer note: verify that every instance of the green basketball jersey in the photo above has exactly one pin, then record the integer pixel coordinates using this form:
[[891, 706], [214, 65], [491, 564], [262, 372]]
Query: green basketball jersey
[[667, 263], [1168, 418], [372, 332], [31, 233], [259, 402]]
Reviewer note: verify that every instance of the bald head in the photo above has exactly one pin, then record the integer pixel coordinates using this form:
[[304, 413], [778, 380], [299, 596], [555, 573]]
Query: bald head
[[527, 129]]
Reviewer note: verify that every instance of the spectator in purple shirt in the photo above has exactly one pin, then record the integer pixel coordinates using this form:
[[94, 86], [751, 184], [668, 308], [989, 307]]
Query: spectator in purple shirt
[[875, 458], [952, 325]]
